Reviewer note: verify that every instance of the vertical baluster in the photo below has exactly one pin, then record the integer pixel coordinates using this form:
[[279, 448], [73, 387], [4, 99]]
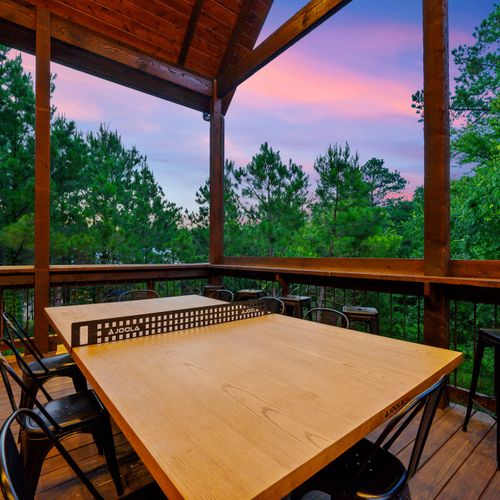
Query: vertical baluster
[[1, 311], [419, 325], [390, 314], [404, 316], [455, 322]]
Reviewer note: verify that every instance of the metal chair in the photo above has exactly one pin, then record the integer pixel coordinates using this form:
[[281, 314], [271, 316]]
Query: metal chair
[[82, 412], [210, 290], [370, 470], [41, 368], [15, 479], [327, 316], [138, 295], [223, 294], [273, 304]]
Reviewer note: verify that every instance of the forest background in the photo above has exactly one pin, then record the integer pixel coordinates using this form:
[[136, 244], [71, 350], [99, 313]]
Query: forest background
[[106, 206]]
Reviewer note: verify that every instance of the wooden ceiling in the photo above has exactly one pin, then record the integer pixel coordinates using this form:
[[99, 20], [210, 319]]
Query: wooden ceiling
[[169, 48]]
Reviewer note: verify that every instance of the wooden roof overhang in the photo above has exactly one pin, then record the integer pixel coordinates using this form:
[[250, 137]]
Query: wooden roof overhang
[[172, 49]]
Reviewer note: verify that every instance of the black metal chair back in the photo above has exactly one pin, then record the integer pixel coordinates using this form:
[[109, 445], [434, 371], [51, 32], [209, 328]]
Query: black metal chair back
[[273, 304], [138, 295], [223, 294], [13, 474], [327, 316], [428, 401], [9, 373], [15, 333]]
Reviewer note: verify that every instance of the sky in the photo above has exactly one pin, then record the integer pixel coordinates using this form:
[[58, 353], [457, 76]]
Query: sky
[[350, 80]]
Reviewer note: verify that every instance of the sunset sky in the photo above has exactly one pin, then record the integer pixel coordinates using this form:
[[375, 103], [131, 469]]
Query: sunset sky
[[349, 80]]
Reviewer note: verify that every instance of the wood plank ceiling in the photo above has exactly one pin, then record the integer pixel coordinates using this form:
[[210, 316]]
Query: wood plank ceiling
[[188, 43]]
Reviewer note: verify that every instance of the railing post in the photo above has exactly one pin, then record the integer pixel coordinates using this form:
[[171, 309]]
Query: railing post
[[42, 177]]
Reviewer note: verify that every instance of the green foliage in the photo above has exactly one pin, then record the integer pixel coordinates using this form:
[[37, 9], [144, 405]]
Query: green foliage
[[274, 197], [348, 221], [474, 102], [17, 104], [199, 220], [475, 141], [381, 181], [106, 206]]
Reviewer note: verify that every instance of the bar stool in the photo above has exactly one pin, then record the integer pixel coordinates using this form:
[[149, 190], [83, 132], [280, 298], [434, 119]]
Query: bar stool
[[487, 337], [295, 305], [249, 294], [368, 315]]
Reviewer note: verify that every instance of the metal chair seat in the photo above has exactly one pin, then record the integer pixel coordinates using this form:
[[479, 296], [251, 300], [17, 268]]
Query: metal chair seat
[[59, 363], [69, 412], [385, 478]]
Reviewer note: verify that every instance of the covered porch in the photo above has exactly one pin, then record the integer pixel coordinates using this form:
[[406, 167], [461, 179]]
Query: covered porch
[[98, 39]]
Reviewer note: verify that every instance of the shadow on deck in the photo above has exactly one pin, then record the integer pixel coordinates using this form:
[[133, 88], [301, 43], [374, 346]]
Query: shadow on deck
[[454, 464]]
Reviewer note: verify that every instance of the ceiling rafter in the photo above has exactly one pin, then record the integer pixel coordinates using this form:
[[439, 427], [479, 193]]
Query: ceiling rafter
[[191, 28]]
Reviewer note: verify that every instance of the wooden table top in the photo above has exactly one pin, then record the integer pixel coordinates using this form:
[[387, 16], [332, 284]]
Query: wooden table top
[[250, 408]]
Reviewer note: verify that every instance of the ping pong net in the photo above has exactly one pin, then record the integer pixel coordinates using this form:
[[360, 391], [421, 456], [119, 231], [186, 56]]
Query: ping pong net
[[141, 325]]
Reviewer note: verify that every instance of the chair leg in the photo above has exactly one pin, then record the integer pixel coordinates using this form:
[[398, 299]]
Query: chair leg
[[103, 429], [473, 386], [33, 453], [79, 381], [405, 494], [98, 442]]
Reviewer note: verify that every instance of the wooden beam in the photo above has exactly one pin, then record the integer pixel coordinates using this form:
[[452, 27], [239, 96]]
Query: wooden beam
[[299, 25], [236, 35], [216, 250], [436, 138], [437, 170], [191, 28], [42, 177], [231, 47], [79, 37], [23, 39]]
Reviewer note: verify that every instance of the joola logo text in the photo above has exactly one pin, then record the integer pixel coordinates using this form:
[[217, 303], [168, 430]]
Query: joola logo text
[[124, 329]]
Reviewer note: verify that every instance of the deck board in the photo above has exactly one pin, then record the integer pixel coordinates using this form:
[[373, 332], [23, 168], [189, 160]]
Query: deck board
[[454, 464]]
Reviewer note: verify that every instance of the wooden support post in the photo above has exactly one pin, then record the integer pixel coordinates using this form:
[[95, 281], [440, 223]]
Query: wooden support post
[[216, 179], [437, 171], [437, 167], [42, 177]]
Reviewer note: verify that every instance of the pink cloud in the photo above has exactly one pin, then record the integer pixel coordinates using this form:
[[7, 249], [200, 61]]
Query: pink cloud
[[325, 91]]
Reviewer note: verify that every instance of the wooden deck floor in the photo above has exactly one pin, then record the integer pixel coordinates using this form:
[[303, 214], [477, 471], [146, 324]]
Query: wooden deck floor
[[454, 464]]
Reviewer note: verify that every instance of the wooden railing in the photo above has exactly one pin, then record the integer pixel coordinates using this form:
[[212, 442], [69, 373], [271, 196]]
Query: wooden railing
[[398, 288]]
